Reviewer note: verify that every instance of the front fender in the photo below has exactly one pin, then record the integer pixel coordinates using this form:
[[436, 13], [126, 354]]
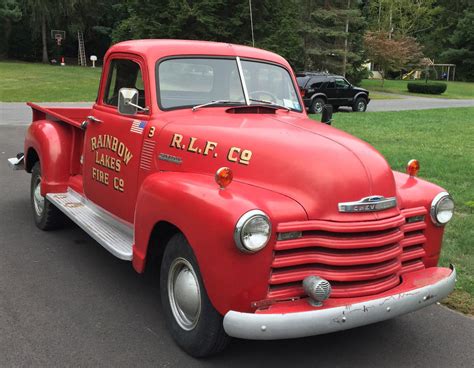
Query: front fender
[[207, 216], [413, 192], [52, 142]]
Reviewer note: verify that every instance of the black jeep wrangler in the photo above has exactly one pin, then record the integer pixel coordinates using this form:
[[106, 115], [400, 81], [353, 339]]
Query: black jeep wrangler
[[318, 89]]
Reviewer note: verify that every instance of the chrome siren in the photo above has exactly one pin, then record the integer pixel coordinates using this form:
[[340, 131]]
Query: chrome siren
[[317, 289]]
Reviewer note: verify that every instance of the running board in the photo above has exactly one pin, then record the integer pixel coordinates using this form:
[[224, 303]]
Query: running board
[[109, 232]]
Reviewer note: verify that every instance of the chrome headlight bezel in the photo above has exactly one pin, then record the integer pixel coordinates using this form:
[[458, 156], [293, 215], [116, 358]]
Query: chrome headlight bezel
[[244, 221], [434, 210]]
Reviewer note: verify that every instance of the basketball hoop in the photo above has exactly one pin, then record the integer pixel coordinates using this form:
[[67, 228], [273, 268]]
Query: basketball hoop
[[58, 36]]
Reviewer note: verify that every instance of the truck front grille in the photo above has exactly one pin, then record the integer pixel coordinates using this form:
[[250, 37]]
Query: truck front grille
[[357, 258]]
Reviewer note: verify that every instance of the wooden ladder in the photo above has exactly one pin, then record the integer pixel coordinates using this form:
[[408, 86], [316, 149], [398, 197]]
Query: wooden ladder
[[81, 55]]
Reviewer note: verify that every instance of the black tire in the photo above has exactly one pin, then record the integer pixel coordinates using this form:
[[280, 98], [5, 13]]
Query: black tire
[[360, 105], [46, 215], [204, 335], [317, 106]]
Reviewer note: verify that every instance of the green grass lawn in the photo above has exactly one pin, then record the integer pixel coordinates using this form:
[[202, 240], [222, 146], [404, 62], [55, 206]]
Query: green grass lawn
[[456, 90], [40, 82], [442, 140]]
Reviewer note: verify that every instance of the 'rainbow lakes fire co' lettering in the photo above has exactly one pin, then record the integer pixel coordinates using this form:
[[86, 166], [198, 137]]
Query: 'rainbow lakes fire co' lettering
[[113, 144]]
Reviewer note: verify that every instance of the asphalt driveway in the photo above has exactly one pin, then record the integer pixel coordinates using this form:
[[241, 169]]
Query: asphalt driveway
[[20, 113], [65, 301]]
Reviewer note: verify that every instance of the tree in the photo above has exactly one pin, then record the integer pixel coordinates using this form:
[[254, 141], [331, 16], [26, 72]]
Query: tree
[[42, 13], [461, 51], [402, 17], [391, 54], [10, 12], [275, 23], [329, 28]]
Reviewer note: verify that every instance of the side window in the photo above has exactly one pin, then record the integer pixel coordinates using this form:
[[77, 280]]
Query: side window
[[124, 73], [331, 84], [316, 83], [341, 83]]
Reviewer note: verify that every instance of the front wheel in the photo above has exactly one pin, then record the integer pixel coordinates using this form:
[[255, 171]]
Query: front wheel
[[191, 318], [46, 215], [317, 106], [360, 105]]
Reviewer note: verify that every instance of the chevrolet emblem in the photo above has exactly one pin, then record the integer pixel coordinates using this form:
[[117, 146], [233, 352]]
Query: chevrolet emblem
[[368, 204]]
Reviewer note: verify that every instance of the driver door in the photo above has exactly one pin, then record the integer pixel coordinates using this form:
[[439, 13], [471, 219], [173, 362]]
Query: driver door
[[113, 141], [343, 91]]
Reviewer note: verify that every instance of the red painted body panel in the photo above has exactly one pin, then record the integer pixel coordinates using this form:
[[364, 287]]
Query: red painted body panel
[[52, 141], [298, 173], [207, 216]]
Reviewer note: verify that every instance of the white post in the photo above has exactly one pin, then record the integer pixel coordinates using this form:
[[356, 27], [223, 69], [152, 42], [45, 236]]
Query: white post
[[93, 59]]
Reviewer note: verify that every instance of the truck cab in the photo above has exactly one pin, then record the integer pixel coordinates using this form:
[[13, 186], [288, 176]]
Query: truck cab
[[198, 161]]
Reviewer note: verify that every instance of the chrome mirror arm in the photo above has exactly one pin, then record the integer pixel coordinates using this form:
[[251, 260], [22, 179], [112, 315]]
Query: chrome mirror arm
[[142, 109]]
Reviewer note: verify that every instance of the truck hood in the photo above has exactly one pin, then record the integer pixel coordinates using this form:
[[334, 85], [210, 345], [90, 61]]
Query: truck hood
[[315, 164]]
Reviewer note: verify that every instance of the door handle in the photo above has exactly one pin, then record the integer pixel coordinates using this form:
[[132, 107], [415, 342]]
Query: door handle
[[94, 119]]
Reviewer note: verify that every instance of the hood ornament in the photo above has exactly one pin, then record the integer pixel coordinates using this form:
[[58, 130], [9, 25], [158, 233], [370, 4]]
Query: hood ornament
[[368, 204]]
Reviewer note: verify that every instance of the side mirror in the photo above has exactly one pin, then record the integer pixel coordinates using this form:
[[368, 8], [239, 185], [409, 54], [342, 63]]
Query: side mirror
[[128, 101], [326, 117]]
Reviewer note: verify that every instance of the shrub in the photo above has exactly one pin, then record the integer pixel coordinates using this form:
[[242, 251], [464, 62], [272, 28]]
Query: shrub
[[427, 88]]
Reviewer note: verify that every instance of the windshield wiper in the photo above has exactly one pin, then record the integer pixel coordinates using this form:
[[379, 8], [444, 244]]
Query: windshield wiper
[[270, 103], [216, 102]]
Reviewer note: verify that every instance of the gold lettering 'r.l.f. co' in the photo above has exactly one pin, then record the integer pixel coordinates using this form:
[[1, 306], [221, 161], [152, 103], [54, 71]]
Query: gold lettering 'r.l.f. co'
[[209, 148]]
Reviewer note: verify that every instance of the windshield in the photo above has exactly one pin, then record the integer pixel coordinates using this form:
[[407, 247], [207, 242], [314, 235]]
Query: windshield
[[190, 82]]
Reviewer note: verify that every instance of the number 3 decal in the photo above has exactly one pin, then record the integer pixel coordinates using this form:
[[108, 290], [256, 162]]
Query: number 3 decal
[[151, 132]]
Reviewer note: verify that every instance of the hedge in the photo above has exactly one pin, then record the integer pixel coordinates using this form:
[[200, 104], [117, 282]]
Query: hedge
[[427, 88]]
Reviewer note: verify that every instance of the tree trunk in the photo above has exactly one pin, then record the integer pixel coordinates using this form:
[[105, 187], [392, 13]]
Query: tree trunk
[[346, 36], [7, 27], [44, 40], [390, 27]]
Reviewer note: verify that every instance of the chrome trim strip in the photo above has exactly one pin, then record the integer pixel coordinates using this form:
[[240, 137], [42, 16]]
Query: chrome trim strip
[[293, 325], [242, 79], [368, 204]]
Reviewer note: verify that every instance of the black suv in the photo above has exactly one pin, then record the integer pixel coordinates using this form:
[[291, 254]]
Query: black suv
[[318, 89]]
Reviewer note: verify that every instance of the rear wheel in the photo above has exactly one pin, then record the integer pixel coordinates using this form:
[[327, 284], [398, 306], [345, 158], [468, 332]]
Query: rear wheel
[[317, 106], [46, 215], [191, 318], [360, 105]]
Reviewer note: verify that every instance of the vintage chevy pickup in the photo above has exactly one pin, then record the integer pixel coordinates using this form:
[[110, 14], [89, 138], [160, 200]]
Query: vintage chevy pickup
[[198, 161]]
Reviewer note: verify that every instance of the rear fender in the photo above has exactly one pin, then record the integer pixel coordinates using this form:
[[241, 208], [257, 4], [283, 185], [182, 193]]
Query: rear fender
[[52, 142], [207, 215]]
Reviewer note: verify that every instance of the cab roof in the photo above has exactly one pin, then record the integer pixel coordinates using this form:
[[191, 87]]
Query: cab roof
[[154, 49]]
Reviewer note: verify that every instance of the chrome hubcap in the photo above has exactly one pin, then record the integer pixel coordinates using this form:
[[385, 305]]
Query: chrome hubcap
[[38, 199], [319, 107], [184, 294], [361, 106]]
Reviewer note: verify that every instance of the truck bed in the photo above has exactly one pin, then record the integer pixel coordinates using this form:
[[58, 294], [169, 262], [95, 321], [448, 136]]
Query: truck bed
[[71, 115]]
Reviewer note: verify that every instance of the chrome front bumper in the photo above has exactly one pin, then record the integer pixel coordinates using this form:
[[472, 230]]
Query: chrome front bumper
[[273, 326]]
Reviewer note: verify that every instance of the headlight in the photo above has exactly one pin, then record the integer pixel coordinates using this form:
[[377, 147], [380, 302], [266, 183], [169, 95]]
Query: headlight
[[252, 232], [442, 209]]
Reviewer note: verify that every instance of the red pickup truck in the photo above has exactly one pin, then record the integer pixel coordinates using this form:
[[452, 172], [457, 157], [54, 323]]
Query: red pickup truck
[[198, 161]]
